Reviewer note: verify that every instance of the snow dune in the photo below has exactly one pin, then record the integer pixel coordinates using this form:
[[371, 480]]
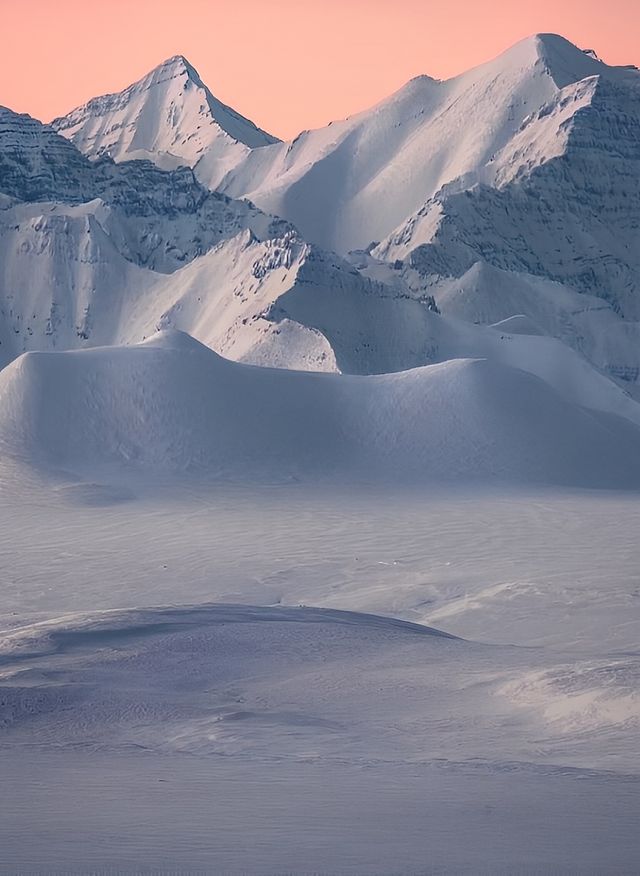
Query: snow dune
[[177, 732], [172, 404]]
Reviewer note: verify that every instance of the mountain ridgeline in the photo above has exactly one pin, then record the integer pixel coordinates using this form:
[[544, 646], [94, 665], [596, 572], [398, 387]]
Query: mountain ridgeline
[[492, 216]]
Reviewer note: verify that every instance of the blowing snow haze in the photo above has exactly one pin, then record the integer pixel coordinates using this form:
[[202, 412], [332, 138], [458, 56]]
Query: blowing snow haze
[[363, 409]]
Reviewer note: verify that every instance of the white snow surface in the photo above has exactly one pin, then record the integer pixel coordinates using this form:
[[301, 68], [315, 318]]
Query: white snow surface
[[166, 737], [171, 404], [516, 181]]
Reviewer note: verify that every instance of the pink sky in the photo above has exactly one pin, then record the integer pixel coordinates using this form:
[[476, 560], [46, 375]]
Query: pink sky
[[287, 64]]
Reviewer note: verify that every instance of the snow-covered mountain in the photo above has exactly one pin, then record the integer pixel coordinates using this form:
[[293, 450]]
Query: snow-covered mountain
[[330, 182], [276, 302], [258, 435], [463, 131], [169, 116], [525, 177], [564, 203], [93, 251], [518, 179], [164, 218]]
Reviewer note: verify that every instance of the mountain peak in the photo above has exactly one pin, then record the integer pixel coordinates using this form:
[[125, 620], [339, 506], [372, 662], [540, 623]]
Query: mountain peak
[[176, 65], [563, 60], [169, 116]]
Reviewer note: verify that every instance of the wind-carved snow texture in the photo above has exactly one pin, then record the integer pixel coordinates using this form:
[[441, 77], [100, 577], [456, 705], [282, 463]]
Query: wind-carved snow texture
[[154, 737], [377, 619]]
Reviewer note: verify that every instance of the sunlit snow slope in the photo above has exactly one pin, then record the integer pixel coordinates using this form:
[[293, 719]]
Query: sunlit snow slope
[[472, 129], [510, 190], [169, 116]]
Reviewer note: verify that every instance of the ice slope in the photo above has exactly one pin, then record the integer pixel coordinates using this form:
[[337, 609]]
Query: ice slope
[[332, 181], [171, 404], [169, 116]]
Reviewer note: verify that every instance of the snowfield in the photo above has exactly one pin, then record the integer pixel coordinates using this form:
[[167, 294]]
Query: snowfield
[[163, 737], [319, 510]]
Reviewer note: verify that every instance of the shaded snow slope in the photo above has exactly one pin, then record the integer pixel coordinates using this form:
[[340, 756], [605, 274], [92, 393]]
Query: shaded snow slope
[[233, 680], [279, 302], [587, 323], [67, 282], [169, 116], [172, 404]]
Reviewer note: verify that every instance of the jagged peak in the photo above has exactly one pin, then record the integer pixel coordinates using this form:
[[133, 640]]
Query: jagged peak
[[178, 68], [176, 65], [563, 60]]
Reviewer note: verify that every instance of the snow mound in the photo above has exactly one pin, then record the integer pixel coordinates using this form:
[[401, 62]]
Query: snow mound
[[173, 405]]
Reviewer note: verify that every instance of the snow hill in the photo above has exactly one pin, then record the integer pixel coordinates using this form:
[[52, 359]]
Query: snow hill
[[139, 732], [170, 116], [171, 404]]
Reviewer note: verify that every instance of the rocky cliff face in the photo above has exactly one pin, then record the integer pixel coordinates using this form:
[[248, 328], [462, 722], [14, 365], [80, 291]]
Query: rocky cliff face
[[161, 219]]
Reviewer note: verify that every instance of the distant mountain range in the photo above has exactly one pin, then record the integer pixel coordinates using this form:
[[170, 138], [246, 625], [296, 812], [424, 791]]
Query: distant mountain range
[[492, 216]]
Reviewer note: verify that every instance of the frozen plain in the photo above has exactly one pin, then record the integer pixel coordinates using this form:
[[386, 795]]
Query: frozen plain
[[204, 737]]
